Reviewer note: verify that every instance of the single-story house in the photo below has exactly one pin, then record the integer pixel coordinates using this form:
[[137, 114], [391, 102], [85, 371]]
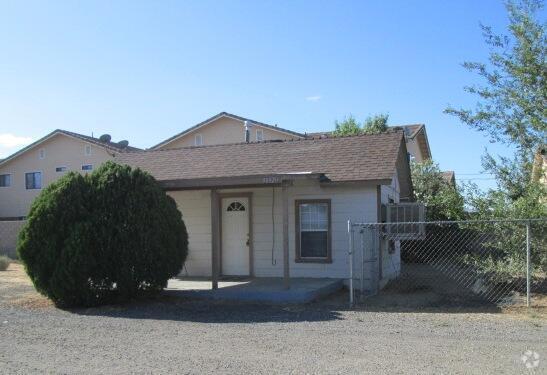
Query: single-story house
[[280, 208]]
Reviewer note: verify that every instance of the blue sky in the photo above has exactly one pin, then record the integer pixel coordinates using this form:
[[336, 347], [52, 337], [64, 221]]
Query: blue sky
[[146, 70]]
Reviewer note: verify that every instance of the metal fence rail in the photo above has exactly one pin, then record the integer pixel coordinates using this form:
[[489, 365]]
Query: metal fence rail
[[493, 261]]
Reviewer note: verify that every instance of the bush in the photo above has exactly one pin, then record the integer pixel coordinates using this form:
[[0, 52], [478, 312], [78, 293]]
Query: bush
[[101, 238], [4, 262]]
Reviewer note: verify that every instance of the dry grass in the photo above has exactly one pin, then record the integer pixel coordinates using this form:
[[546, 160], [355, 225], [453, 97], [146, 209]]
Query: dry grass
[[538, 310], [17, 289]]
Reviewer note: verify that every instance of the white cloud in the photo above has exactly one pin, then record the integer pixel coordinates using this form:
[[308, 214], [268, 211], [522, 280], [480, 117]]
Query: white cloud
[[10, 140], [314, 98]]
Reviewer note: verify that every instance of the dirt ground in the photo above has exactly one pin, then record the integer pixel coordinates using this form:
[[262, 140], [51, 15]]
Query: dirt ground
[[167, 335]]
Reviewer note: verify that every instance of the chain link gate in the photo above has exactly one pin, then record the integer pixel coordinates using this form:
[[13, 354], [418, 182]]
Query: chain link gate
[[499, 262]]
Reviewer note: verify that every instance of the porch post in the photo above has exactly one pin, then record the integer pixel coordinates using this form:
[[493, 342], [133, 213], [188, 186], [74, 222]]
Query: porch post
[[215, 238], [285, 199]]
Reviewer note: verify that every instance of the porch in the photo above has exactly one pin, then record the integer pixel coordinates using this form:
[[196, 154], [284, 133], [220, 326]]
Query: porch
[[263, 289]]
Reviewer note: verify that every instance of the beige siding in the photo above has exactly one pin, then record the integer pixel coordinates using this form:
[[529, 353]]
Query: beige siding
[[60, 150], [414, 150], [196, 213], [357, 204], [222, 131]]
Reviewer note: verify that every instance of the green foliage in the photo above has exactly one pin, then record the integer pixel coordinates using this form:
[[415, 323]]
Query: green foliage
[[508, 240], [443, 201], [104, 237], [512, 109], [348, 126], [4, 262], [512, 105], [375, 124]]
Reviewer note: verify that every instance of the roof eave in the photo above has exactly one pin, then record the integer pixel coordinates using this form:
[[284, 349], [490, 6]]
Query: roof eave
[[237, 181]]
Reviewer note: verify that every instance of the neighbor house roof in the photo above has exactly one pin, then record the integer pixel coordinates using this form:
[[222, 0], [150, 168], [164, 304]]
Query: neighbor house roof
[[411, 131], [449, 176], [108, 145], [373, 158], [229, 115]]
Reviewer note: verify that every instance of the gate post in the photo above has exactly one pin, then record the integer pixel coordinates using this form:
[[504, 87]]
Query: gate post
[[350, 253]]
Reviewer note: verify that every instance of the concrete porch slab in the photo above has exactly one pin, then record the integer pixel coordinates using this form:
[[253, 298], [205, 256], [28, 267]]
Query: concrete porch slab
[[267, 289]]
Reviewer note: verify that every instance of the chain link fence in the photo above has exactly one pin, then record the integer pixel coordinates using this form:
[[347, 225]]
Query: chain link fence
[[497, 262]]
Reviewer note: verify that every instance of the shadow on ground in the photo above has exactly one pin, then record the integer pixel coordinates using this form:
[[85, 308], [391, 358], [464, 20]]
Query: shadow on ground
[[332, 308], [209, 311]]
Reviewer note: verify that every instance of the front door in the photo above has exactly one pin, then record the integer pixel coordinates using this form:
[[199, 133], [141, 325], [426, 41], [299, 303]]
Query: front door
[[235, 236]]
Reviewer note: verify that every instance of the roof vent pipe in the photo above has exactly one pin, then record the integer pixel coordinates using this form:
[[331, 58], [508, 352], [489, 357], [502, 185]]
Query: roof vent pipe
[[247, 131]]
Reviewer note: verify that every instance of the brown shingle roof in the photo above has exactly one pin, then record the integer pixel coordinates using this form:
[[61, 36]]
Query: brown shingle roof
[[342, 159]]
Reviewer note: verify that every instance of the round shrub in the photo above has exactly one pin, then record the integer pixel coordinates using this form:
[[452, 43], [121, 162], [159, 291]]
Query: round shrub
[[102, 238], [4, 262]]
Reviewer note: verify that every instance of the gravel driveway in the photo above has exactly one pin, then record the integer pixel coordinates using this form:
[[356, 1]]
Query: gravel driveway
[[171, 335]]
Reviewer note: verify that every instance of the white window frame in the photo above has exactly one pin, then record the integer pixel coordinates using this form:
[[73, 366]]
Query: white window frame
[[87, 170], [261, 132], [61, 166], [87, 150], [42, 153], [200, 137], [10, 180], [41, 180]]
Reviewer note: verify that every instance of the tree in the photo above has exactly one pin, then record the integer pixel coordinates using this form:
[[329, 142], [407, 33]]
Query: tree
[[512, 104], [375, 124], [511, 109], [348, 126], [443, 200], [104, 237], [372, 125]]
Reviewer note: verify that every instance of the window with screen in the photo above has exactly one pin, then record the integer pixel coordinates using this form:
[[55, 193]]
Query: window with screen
[[5, 180], [198, 140], [33, 180], [313, 225], [259, 135]]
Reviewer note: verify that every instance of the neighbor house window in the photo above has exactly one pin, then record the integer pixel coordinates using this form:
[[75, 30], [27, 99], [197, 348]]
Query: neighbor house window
[[5, 180], [61, 169], [87, 150], [259, 135], [198, 140], [42, 153], [33, 180], [87, 167], [313, 231]]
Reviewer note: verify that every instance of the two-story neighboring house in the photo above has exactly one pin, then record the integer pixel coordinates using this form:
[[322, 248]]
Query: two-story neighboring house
[[226, 128], [417, 143], [25, 173]]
